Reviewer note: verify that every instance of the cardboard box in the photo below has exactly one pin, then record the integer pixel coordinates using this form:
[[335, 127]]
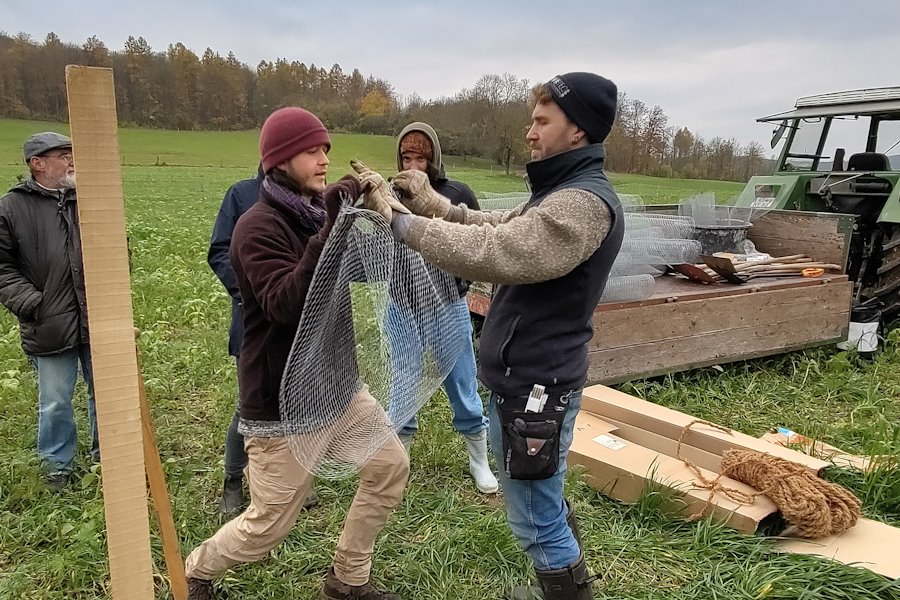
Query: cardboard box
[[626, 445], [792, 439], [619, 466], [668, 423], [865, 545]]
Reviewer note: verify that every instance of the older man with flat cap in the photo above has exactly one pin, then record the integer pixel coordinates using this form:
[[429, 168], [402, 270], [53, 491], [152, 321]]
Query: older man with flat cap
[[42, 284], [551, 256]]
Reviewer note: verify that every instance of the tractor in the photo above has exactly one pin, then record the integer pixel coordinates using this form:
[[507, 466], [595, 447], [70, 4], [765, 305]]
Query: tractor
[[840, 153]]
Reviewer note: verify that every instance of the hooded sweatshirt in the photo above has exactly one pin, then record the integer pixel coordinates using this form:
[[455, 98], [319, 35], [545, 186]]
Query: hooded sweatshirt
[[455, 191]]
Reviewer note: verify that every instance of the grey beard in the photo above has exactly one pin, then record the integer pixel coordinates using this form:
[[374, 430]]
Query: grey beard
[[67, 182]]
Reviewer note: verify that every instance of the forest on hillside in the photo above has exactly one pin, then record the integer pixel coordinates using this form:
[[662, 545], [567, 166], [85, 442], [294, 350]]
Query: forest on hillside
[[179, 89]]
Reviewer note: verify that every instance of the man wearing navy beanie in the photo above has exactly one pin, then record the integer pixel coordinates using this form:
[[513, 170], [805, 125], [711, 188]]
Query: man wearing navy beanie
[[588, 100], [551, 257]]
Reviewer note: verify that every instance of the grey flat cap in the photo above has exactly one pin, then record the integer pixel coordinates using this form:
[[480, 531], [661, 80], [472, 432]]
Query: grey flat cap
[[43, 142]]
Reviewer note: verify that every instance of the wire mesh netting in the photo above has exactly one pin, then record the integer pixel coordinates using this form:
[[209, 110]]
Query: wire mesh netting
[[705, 212], [506, 201], [378, 335], [652, 241]]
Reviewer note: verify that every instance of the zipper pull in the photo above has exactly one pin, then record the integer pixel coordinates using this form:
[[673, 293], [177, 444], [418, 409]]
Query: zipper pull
[[508, 369]]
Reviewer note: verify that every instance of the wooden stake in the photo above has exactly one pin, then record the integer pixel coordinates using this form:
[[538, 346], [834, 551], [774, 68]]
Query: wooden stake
[[101, 210], [160, 495]]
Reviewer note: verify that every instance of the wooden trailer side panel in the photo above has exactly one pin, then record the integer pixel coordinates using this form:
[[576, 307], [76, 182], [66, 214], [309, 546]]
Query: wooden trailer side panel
[[645, 341]]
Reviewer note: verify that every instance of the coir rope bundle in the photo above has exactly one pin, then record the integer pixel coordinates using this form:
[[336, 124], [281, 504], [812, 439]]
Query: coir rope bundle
[[814, 507]]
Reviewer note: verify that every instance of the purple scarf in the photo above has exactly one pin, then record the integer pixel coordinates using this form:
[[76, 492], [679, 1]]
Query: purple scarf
[[310, 210]]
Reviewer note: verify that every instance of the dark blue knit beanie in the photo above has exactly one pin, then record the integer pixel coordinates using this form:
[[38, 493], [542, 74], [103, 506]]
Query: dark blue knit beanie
[[588, 100]]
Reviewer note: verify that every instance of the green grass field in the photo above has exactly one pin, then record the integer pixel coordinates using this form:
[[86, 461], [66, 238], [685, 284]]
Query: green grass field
[[445, 541], [236, 154]]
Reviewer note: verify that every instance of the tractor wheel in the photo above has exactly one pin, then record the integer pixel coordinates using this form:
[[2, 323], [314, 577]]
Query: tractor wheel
[[887, 286]]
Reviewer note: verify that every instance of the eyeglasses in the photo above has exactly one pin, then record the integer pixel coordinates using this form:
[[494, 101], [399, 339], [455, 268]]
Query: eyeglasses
[[66, 156]]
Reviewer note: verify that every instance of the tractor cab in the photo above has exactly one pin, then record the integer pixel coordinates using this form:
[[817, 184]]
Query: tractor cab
[[840, 152], [843, 144]]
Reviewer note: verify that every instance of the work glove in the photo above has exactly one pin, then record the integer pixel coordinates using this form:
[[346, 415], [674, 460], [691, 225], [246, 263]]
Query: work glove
[[418, 195], [378, 195], [347, 187]]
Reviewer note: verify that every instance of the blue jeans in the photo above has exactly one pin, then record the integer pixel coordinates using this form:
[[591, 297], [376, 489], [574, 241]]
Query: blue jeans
[[461, 384], [57, 440], [535, 510]]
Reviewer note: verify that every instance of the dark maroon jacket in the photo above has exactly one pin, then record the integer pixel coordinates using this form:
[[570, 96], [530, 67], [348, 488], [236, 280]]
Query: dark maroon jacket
[[274, 252]]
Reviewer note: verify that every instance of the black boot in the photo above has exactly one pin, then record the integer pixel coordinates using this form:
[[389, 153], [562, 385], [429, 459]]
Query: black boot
[[232, 496], [573, 524], [200, 589], [571, 583], [335, 589], [312, 499]]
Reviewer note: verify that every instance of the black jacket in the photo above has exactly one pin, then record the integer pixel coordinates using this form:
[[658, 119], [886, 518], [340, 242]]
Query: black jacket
[[238, 200], [538, 333], [41, 270]]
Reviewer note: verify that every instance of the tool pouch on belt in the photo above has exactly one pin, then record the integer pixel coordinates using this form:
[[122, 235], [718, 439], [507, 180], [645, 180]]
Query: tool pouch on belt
[[530, 439]]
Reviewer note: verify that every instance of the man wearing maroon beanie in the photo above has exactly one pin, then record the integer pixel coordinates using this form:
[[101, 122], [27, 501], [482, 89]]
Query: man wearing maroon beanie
[[274, 251]]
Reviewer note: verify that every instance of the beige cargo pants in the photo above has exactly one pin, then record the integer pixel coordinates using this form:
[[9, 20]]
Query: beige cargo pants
[[278, 486]]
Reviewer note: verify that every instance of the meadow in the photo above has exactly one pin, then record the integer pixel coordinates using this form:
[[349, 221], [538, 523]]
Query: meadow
[[445, 541]]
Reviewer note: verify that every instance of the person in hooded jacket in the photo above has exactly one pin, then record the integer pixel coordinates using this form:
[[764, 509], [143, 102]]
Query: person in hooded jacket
[[238, 200], [42, 284], [418, 148]]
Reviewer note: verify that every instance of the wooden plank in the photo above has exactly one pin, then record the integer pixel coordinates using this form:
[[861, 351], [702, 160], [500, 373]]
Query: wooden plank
[[715, 347], [160, 495], [101, 210], [678, 289], [641, 325], [823, 236]]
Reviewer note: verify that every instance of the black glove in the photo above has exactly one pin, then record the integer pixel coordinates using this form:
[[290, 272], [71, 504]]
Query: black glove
[[334, 194]]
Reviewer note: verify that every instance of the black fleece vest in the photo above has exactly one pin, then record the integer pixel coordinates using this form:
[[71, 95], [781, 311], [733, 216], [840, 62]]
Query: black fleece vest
[[539, 333]]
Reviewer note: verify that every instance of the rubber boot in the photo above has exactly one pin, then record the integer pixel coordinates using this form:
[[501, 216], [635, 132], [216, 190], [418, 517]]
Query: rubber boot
[[406, 440], [232, 501], [571, 583], [478, 463], [573, 524]]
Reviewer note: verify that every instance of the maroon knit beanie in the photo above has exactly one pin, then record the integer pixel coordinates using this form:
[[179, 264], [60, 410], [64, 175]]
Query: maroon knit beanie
[[287, 132]]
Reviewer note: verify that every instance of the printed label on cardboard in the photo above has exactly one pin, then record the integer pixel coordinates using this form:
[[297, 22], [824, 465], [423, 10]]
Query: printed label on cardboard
[[610, 442]]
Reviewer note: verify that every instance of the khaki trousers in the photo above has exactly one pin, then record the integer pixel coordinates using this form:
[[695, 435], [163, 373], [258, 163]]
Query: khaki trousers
[[279, 485]]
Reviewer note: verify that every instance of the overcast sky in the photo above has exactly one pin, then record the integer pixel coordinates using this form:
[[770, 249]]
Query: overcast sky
[[714, 66]]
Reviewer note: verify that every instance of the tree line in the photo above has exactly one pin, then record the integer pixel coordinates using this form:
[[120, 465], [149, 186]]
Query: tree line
[[177, 89]]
